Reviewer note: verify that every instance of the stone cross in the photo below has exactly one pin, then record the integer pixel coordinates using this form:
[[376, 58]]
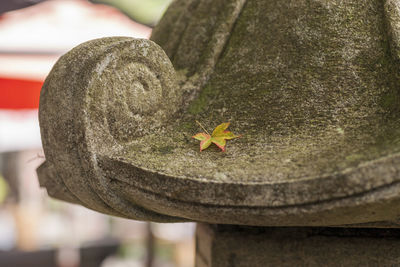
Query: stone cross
[[312, 86]]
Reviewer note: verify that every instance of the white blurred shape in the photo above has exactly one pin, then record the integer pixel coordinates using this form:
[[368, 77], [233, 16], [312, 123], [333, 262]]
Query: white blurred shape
[[173, 232], [57, 26], [114, 261], [19, 130], [7, 231]]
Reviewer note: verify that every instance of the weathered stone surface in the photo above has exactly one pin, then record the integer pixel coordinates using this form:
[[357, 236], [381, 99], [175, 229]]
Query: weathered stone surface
[[232, 246], [313, 87]]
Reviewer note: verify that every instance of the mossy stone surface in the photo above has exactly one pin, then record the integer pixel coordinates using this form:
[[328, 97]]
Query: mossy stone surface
[[312, 87]]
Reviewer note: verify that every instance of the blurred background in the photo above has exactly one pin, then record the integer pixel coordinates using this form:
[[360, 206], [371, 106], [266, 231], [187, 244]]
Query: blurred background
[[36, 230]]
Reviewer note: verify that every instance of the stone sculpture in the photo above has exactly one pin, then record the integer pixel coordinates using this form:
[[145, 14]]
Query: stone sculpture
[[313, 87]]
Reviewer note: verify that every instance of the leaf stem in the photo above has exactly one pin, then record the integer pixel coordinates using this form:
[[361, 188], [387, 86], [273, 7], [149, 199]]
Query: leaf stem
[[202, 127]]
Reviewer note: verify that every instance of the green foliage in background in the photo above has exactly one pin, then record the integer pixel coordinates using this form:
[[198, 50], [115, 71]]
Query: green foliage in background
[[3, 189], [146, 12]]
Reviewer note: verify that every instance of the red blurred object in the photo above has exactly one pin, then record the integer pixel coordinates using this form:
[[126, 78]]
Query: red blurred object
[[19, 93]]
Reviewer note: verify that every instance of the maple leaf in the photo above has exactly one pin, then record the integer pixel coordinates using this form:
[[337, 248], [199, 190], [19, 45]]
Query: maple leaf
[[218, 136]]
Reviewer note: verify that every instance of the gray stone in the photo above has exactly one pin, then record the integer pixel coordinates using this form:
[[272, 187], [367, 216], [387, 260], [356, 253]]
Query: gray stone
[[313, 87], [233, 246]]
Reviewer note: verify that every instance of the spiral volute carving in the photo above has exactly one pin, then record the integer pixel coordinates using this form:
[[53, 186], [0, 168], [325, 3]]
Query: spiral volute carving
[[133, 89], [98, 97]]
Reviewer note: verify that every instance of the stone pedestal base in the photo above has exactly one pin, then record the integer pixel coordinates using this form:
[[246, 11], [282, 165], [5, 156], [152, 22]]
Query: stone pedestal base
[[238, 246]]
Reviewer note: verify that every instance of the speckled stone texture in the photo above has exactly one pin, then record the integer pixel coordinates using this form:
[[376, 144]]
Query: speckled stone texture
[[313, 87], [233, 246]]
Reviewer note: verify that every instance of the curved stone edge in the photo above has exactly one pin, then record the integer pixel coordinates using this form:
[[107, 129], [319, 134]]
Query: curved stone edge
[[354, 181], [376, 204], [379, 207]]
